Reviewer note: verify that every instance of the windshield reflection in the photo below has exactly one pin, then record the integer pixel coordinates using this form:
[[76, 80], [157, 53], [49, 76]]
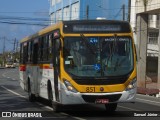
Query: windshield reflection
[[112, 56]]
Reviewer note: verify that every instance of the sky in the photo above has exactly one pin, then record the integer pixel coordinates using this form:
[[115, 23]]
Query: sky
[[20, 18]]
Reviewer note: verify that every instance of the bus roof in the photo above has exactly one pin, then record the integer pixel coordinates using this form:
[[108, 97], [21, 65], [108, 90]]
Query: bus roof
[[42, 32], [71, 23]]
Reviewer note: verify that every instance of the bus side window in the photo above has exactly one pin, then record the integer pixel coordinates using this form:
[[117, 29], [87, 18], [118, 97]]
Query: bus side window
[[41, 51], [35, 52], [21, 53], [46, 47], [50, 42], [29, 52], [25, 51]]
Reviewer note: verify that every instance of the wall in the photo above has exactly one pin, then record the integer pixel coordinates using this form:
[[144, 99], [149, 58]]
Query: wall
[[88, 9], [152, 6]]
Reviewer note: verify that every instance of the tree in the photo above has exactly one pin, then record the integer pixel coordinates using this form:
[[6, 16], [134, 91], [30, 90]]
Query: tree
[[1, 61], [145, 3]]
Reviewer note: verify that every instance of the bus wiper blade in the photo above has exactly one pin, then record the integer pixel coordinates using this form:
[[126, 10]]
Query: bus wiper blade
[[93, 50]]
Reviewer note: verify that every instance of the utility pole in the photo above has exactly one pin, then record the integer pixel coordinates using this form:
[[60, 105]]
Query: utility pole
[[14, 45], [87, 12], [123, 11], [16, 54], [4, 46], [129, 10], [17, 46]]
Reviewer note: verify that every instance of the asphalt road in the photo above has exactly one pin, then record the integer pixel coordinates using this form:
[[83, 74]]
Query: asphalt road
[[14, 102]]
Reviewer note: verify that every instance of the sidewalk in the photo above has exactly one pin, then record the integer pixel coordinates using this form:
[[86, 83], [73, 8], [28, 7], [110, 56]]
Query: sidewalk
[[151, 89], [2, 67]]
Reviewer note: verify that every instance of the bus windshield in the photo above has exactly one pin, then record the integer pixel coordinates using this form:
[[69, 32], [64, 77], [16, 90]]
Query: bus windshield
[[98, 56]]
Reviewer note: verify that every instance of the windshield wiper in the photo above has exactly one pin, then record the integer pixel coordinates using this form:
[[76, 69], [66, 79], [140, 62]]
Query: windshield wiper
[[85, 40]]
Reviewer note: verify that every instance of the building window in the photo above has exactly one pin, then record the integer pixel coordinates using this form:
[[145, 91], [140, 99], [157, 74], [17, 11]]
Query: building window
[[75, 11], [59, 15], [58, 1], [153, 38], [150, 17], [52, 18], [157, 23], [66, 13], [53, 2]]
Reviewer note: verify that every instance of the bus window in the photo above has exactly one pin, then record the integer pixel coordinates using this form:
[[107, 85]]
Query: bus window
[[50, 42], [25, 55], [35, 51]]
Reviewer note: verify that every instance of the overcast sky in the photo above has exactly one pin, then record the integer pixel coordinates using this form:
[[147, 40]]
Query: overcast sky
[[19, 18]]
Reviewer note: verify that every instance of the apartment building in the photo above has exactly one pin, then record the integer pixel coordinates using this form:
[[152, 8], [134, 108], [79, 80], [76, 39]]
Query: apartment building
[[145, 23]]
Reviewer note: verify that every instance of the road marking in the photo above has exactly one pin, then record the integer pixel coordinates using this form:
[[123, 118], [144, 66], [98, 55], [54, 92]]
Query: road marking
[[148, 100], [47, 107], [62, 113], [78, 118], [128, 108], [14, 92], [4, 75]]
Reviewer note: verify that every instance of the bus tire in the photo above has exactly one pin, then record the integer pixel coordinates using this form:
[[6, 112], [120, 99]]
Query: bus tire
[[55, 106], [110, 108], [31, 96]]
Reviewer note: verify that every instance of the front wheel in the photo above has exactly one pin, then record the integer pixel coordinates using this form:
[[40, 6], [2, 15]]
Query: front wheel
[[55, 106], [111, 107]]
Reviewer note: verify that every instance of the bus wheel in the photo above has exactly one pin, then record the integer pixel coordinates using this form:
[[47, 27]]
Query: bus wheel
[[111, 107], [55, 106], [30, 95]]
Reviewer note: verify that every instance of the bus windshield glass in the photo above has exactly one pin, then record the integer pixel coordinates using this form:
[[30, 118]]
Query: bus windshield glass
[[98, 56]]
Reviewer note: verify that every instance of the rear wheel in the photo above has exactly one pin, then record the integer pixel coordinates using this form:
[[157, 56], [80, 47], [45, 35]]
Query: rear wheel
[[30, 95], [111, 107]]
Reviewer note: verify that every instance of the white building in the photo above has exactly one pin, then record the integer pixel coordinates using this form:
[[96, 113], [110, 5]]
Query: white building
[[145, 21]]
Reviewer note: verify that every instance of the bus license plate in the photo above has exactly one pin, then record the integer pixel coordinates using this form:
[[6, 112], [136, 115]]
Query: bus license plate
[[102, 101]]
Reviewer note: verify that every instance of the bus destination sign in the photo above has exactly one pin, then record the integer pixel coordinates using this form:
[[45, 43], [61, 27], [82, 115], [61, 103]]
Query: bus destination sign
[[96, 27]]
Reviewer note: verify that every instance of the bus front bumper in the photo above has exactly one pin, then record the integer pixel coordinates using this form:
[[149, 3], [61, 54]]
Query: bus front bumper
[[69, 98]]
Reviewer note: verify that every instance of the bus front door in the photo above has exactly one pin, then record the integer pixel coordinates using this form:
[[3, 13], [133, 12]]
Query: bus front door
[[56, 63], [35, 67]]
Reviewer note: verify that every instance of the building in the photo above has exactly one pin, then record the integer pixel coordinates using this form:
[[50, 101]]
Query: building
[[88, 9], [145, 23]]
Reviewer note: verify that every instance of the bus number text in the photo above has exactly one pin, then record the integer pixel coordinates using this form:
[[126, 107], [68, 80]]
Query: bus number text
[[90, 89]]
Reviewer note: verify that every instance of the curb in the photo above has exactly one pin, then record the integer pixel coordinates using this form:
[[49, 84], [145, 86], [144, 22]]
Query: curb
[[148, 92]]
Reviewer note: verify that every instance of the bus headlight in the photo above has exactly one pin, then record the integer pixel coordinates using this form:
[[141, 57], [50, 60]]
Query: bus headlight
[[69, 86], [132, 84]]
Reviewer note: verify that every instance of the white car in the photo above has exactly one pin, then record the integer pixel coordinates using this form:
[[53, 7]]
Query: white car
[[10, 65]]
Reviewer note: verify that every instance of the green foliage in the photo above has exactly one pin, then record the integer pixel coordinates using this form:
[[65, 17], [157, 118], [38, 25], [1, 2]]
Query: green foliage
[[1, 61], [145, 3]]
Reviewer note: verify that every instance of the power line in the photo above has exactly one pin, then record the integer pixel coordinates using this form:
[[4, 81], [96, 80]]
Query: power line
[[22, 23], [23, 18]]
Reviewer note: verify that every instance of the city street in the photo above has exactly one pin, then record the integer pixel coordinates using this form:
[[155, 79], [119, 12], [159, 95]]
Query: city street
[[14, 99]]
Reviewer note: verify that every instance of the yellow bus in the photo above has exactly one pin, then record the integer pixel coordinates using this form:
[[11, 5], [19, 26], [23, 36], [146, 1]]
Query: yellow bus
[[80, 62]]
